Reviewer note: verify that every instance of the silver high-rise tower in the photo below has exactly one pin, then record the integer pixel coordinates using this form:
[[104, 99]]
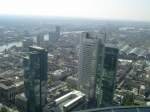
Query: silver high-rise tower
[[88, 63]]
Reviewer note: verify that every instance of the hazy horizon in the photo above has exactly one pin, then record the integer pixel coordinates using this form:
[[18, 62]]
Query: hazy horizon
[[137, 10]]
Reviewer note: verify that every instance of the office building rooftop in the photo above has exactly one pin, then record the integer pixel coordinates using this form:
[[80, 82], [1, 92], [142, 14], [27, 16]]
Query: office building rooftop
[[70, 100], [119, 109]]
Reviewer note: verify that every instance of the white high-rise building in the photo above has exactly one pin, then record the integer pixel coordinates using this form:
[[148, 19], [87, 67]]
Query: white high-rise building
[[88, 58]]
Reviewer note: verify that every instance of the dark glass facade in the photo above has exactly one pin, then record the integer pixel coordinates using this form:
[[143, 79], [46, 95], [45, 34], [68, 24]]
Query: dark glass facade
[[109, 78], [35, 79]]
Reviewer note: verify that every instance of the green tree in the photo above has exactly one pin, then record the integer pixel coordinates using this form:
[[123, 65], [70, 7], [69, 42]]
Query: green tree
[[4, 109], [128, 99]]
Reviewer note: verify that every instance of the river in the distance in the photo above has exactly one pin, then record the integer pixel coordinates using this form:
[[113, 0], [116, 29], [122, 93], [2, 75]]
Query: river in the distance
[[19, 44], [9, 45]]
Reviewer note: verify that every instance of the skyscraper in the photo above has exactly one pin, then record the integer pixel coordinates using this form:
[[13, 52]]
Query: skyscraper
[[54, 35], [40, 39], [97, 69], [89, 48], [109, 77], [35, 79], [99, 73], [26, 43], [57, 31]]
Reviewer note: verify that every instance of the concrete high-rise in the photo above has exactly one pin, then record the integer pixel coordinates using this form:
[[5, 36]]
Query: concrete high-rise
[[54, 35], [35, 79], [89, 49], [26, 43], [40, 39], [57, 31]]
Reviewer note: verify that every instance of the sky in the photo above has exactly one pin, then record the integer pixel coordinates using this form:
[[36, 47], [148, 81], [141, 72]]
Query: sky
[[97, 9]]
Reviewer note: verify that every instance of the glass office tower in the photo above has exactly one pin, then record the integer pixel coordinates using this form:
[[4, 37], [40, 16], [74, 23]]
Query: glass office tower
[[109, 77], [35, 79]]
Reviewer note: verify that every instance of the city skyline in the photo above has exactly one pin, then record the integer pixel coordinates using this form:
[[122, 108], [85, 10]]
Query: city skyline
[[93, 9], [74, 55]]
